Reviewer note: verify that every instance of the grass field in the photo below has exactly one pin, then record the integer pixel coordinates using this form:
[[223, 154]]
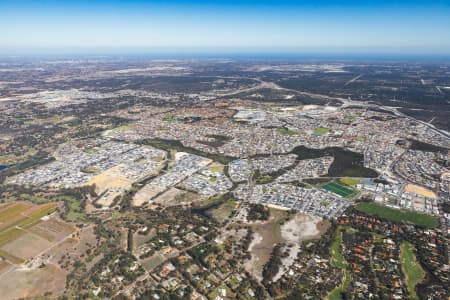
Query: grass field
[[411, 268], [398, 215], [124, 127], [284, 131], [75, 213], [169, 118], [216, 168], [337, 259], [321, 131], [338, 189], [222, 212], [349, 181]]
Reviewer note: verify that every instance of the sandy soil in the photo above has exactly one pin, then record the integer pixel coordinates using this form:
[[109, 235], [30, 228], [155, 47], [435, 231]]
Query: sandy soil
[[52, 229], [27, 246], [72, 248], [294, 232], [29, 283], [266, 235], [111, 178], [420, 191], [4, 267]]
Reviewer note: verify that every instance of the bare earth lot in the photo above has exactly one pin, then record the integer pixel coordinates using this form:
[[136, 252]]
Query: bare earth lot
[[293, 232], [266, 236], [21, 283], [27, 246]]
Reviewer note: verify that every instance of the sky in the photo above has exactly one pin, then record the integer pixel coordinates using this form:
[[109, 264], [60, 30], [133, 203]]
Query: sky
[[261, 26]]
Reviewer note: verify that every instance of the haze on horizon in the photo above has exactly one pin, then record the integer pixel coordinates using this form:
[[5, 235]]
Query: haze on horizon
[[265, 26]]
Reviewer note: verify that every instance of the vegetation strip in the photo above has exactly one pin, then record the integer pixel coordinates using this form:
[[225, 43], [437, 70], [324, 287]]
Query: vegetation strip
[[398, 215], [411, 268]]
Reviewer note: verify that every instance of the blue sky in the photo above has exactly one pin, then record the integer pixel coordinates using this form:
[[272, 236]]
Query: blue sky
[[403, 27]]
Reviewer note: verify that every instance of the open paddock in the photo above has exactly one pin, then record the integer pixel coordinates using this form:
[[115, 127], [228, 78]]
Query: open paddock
[[52, 229], [11, 213], [30, 231], [29, 283], [26, 246], [4, 267]]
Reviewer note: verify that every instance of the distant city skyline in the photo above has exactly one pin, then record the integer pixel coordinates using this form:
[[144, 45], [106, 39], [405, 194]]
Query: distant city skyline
[[372, 27]]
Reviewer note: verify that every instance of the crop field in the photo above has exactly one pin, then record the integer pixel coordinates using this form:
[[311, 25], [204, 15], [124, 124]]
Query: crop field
[[24, 233], [52, 230], [338, 189], [397, 215], [17, 220], [27, 246], [11, 212]]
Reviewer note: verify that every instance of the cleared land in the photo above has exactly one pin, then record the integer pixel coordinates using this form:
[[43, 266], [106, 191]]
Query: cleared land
[[298, 229], [110, 179], [411, 268], [28, 230], [224, 210], [338, 189], [398, 215], [28, 234], [266, 235], [21, 283], [27, 246], [412, 188], [18, 220]]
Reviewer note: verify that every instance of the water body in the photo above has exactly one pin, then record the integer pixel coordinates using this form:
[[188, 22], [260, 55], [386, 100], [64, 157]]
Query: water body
[[2, 167]]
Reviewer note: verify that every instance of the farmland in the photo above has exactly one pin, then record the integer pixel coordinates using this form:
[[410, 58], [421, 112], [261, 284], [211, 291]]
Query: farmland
[[25, 232], [28, 233]]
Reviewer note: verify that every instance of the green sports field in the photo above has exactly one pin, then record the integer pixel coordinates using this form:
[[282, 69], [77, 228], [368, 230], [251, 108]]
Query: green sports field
[[337, 189]]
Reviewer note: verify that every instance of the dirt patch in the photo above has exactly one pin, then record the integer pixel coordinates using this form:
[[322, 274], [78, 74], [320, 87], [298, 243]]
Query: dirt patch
[[175, 196], [224, 211], [70, 250], [52, 229], [22, 283], [298, 229], [27, 246], [266, 235], [412, 188], [4, 267], [152, 262]]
